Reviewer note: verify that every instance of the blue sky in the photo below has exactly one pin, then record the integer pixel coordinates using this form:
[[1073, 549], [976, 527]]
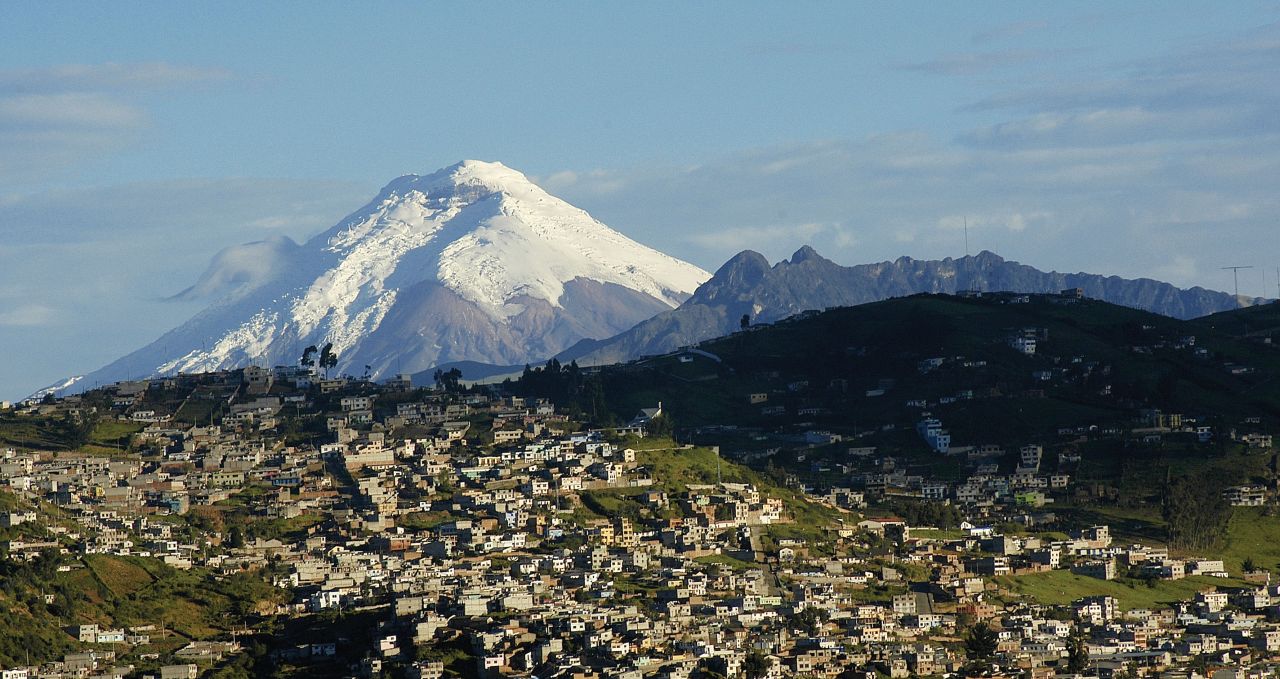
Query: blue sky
[[137, 141]]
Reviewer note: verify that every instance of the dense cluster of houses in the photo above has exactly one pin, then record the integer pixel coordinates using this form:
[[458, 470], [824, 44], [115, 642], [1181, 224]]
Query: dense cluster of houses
[[492, 526]]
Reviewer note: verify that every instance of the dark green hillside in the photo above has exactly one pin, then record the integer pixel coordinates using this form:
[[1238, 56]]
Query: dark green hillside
[[1092, 388], [1145, 359], [1118, 398], [1258, 322], [120, 592]]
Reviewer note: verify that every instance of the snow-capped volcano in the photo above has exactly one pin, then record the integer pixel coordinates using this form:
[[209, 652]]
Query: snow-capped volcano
[[473, 262]]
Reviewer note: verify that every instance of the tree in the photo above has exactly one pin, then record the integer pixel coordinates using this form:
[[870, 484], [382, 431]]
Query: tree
[[77, 429], [235, 538], [1196, 512], [308, 356], [1247, 565], [980, 647], [809, 620], [1077, 652], [745, 321], [328, 358], [448, 380], [713, 667], [593, 399], [756, 664], [1167, 386], [659, 427]]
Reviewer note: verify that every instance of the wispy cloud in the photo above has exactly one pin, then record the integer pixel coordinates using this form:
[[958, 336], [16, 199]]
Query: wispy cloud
[[241, 268], [1130, 124], [1124, 168], [75, 110], [26, 316], [203, 215], [103, 260], [1237, 73], [1011, 221], [57, 117]]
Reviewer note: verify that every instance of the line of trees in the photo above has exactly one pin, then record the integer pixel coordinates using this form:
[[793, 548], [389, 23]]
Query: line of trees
[[328, 357], [1196, 512], [582, 394]]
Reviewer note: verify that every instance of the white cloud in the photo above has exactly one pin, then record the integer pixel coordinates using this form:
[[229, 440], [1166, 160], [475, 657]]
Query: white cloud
[[597, 181], [1179, 267], [26, 316], [560, 180], [241, 268], [63, 116], [67, 109], [1109, 126], [1008, 220], [196, 216], [1117, 168], [768, 238], [104, 259]]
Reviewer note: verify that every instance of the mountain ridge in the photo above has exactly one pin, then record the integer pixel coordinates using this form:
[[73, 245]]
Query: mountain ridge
[[747, 285]]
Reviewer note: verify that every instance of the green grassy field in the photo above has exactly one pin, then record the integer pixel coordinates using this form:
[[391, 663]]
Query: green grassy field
[[119, 591], [122, 577], [39, 433], [114, 433], [1063, 587], [674, 470], [1252, 535], [198, 410]]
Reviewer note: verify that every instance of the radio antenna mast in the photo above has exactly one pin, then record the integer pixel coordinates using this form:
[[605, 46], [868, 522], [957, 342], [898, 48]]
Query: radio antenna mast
[[1235, 275], [966, 236]]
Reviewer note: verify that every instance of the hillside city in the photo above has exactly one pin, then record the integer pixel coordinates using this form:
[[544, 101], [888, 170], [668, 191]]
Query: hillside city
[[609, 340], [278, 520]]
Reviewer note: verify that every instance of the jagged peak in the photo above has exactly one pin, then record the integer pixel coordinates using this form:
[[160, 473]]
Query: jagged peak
[[747, 260], [987, 257], [806, 253]]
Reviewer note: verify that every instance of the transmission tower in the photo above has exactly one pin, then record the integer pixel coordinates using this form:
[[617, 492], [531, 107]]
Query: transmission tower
[[1235, 275]]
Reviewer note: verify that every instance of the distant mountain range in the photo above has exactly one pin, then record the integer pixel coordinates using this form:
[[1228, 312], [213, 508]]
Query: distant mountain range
[[476, 266], [748, 286]]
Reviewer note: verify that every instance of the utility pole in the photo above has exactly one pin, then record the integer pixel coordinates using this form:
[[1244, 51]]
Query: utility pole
[[1235, 275]]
